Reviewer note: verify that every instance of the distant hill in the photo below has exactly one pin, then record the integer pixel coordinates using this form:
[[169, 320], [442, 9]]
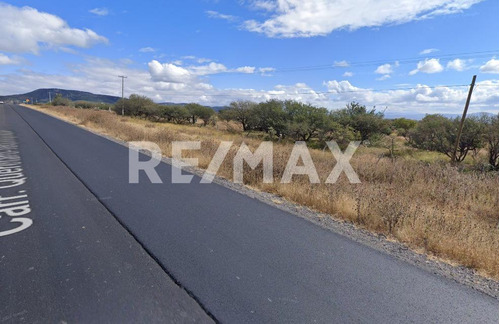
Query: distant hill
[[419, 116], [216, 108], [42, 95], [172, 103]]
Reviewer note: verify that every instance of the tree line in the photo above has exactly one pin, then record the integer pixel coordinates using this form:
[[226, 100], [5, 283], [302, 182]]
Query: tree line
[[305, 122], [438, 133], [279, 119], [59, 100], [290, 119], [141, 106]]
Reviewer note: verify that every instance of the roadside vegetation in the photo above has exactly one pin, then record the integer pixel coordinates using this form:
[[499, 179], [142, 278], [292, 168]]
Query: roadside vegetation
[[409, 190]]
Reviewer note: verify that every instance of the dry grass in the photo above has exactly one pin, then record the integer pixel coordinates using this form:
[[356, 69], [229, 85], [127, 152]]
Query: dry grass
[[432, 207]]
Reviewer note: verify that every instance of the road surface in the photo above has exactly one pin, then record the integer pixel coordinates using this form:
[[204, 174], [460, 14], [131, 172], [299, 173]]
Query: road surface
[[236, 258], [75, 263]]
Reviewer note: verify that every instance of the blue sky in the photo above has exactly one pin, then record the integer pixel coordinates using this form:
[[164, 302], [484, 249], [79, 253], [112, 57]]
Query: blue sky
[[407, 56]]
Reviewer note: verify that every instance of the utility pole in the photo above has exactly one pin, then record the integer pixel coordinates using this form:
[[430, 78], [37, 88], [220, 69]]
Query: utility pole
[[460, 129], [123, 81], [50, 99]]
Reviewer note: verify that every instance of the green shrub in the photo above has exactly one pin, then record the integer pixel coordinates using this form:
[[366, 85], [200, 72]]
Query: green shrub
[[60, 101]]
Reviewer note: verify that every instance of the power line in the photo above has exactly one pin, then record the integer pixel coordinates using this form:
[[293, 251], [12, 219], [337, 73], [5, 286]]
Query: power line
[[340, 65], [377, 62], [393, 89]]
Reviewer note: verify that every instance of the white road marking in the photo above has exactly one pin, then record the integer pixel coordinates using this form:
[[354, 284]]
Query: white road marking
[[11, 176]]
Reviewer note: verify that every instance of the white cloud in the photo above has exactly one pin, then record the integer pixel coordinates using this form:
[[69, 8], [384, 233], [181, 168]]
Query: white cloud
[[348, 74], [421, 98], [210, 68], [147, 50], [168, 72], [384, 77], [306, 18], [6, 60], [68, 50], [428, 66], [266, 69], [384, 69], [457, 65], [490, 67], [99, 76], [200, 60], [99, 11], [163, 82], [25, 29], [246, 69], [428, 51], [266, 5], [172, 72], [341, 63], [218, 15]]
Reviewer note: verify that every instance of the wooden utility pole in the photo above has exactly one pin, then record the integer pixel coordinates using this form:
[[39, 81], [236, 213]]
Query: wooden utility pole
[[464, 115]]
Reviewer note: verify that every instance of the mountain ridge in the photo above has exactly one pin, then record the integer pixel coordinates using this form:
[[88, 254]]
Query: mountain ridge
[[42, 96]]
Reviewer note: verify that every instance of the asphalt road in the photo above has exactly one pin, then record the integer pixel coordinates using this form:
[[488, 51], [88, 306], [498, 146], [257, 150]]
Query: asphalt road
[[242, 260], [75, 263]]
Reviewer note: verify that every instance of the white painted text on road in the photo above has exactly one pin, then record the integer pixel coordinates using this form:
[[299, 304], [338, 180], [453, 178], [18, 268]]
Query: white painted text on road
[[14, 202]]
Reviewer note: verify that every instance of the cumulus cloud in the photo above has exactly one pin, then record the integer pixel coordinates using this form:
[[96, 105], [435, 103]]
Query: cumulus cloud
[[173, 72], [195, 71], [6, 60], [456, 64], [99, 11], [384, 69], [25, 29], [421, 98], [348, 74], [210, 68], [306, 18], [428, 51], [490, 67], [428, 66], [99, 76], [218, 15], [147, 50], [168, 72]]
